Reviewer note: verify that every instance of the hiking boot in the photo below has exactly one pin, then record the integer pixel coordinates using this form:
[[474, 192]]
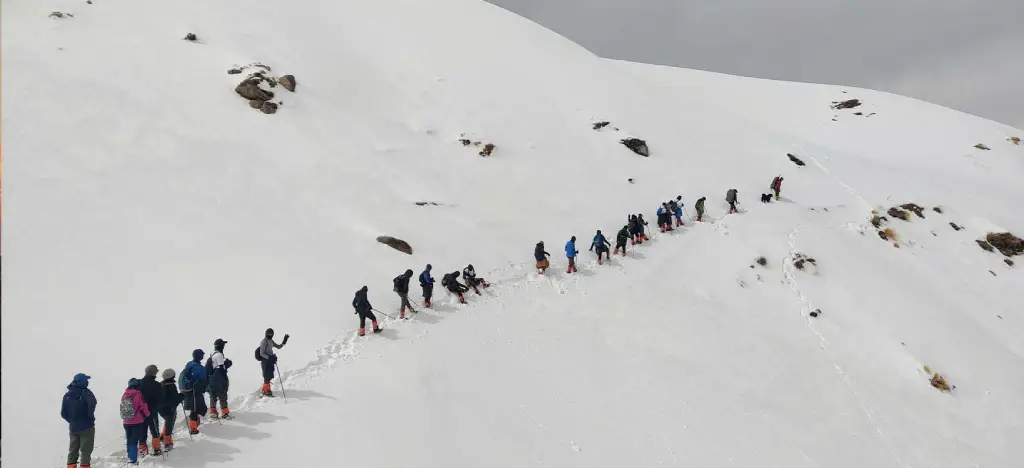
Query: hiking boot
[[362, 332], [193, 426], [226, 413], [143, 449], [156, 446], [168, 443]]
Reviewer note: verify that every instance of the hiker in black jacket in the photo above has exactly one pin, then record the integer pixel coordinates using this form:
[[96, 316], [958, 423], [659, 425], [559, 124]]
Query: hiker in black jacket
[[365, 310], [168, 408], [402, 288], [153, 394], [620, 240], [451, 283], [541, 256]]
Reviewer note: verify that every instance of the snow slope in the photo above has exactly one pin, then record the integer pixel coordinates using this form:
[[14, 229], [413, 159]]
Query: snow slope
[[150, 211]]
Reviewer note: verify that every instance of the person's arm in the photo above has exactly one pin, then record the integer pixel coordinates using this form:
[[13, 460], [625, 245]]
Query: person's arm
[[90, 404], [285, 341], [64, 409], [141, 404]]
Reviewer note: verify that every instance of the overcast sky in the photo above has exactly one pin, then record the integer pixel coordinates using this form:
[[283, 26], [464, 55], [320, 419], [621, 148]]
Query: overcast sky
[[964, 54]]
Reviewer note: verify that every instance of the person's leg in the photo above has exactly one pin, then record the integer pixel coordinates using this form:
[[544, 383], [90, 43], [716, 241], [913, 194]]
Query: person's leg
[[131, 438], [87, 440], [268, 375], [73, 447], [362, 323], [169, 419]]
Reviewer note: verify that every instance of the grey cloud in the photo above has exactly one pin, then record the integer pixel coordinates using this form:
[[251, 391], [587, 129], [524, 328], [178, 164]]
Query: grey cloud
[[959, 53]]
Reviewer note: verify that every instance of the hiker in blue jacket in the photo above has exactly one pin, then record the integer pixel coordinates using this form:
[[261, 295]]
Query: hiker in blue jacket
[[79, 410], [601, 244], [571, 253], [427, 283], [192, 383]]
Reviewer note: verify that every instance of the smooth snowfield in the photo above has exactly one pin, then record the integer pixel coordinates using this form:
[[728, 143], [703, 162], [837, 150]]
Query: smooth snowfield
[[150, 211]]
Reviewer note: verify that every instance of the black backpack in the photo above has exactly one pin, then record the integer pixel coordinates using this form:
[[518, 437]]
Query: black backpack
[[259, 357], [446, 280], [398, 280]]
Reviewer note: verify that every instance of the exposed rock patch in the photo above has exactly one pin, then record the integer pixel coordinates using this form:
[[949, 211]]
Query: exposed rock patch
[[637, 145], [877, 221], [985, 245], [59, 15], [191, 37], [913, 207], [395, 243], [801, 261], [288, 82], [795, 160], [488, 148], [600, 125], [847, 104], [982, 147], [954, 226], [899, 214], [1007, 244]]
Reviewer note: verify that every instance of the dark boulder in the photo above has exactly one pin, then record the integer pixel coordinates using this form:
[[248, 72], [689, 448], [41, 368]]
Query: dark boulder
[[795, 160], [395, 243], [637, 145], [288, 82], [250, 89]]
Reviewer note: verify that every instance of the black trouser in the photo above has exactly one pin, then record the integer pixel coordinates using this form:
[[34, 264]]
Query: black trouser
[[572, 262], [732, 206], [363, 315], [428, 290], [195, 403], [621, 245], [405, 301], [220, 395], [169, 415], [153, 423], [603, 249], [268, 370]]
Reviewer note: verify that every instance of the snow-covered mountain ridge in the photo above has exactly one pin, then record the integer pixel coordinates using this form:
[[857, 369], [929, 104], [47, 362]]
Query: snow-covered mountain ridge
[[150, 210]]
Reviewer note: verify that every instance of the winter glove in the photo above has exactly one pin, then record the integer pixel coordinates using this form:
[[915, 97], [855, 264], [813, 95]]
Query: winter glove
[[227, 363], [285, 340]]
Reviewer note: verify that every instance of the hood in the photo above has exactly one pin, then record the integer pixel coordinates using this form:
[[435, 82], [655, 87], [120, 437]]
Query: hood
[[197, 355], [80, 380]]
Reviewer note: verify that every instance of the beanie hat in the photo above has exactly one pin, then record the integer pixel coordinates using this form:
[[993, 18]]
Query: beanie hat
[[197, 355], [134, 383], [168, 374], [152, 370]]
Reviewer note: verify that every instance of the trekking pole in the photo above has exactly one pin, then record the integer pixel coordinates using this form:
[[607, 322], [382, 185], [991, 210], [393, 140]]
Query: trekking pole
[[280, 380], [686, 213], [184, 418], [386, 315]]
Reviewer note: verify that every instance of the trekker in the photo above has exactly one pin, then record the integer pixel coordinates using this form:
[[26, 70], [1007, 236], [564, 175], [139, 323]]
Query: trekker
[[402, 288], [777, 186], [365, 310], [633, 230], [700, 207], [153, 394], [730, 197], [268, 360], [664, 218], [133, 415], [541, 256], [79, 410], [427, 283], [451, 283], [217, 368], [469, 273], [601, 244], [640, 223], [620, 240], [169, 408], [571, 253], [192, 383], [677, 210]]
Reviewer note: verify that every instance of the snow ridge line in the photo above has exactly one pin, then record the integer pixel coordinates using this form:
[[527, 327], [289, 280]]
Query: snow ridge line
[[790, 278]]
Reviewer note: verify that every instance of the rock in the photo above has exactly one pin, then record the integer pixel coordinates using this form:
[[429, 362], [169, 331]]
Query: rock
[[465, 142], [424, 203], [190, 37], [268, 107], [898, 213], [637, 145], [985, 245], [1014, 140], [249, 88], [234, 71], [288, 81], [795, 160], [89, 2], [256, 103], [940, 383], [1008, 262], [630, 180], [815, 313], [762, 261], [858, 113], [800, 261], [882, 235], [397, 244], [847, 104], [912, 207], [1007, 244], [955, 227], [59, 15], [877, 221], [488, 148], [993, 273], [600, 125], [937, 210], [982, 147]]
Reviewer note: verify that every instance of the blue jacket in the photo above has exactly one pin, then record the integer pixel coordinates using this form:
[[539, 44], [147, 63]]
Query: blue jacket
[[79, 408], [570, 249], [426, 279], [661, 211], [196, 376], [679, 212]]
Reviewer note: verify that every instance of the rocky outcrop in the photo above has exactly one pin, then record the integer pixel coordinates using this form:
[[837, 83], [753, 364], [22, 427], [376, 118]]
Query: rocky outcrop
[[288, 82], [395, 243], [637, 145], [847, 104], [795, 160], [1007, 244]]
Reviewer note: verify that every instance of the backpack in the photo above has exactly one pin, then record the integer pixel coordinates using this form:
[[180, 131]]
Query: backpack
[[185, 379], [446, 280], [259, 357], [127, 407], [398, 279], [209, 365]]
